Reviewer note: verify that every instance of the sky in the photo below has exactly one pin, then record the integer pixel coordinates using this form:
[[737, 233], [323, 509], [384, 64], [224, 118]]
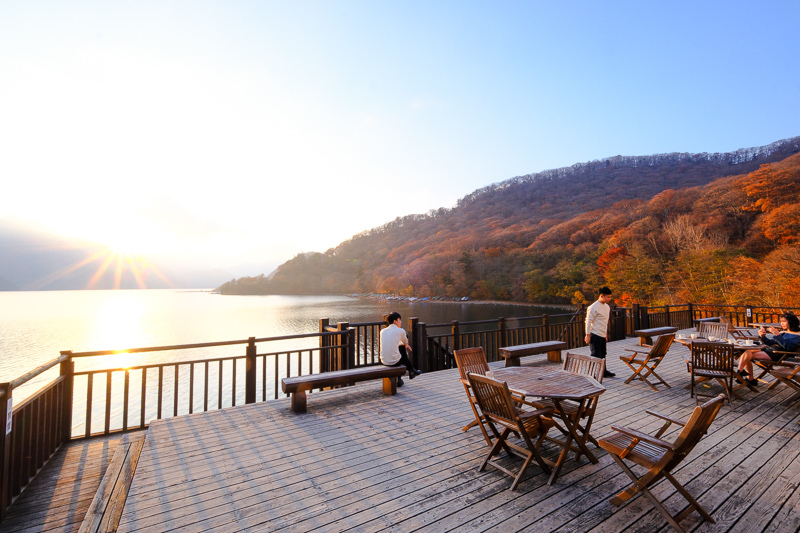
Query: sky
[[236, 134]]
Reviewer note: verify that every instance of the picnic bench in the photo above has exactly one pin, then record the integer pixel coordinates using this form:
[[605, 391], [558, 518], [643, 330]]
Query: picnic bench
[[551, 348], [646, 335], [297, 386]]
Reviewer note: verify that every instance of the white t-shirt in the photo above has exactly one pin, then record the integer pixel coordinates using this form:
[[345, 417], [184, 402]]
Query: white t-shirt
[[597, 319], [391, 339]]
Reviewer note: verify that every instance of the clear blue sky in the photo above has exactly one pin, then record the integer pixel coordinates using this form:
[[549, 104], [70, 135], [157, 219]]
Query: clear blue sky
[[235, 132]]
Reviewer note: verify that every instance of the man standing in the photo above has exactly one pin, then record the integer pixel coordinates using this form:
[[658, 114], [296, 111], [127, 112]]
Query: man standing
[[394, 344], [597, 318]]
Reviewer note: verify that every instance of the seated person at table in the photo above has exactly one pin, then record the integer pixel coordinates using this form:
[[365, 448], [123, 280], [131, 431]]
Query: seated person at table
[[786, 341]]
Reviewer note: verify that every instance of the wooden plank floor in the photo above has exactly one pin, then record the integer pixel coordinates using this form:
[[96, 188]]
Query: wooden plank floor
[[58, 497], [362, 461]]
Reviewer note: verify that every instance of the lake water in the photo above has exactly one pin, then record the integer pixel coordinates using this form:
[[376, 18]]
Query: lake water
[[36, 326]]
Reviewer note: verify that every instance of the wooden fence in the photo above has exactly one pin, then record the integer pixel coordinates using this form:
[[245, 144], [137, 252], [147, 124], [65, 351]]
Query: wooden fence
[[110, 400]]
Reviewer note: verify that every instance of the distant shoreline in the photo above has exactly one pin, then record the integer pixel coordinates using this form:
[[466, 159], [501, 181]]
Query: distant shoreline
[[393, 297]]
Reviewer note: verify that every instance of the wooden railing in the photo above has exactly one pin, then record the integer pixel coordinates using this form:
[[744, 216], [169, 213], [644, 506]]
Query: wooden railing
[[112, 400]]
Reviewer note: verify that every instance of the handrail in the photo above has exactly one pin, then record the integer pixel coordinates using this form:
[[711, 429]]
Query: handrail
[[199, 361], [199, 345], [35, 372], [489, 321]]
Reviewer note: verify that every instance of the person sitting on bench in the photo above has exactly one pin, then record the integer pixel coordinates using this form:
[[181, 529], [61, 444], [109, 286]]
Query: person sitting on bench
[[394, 344]]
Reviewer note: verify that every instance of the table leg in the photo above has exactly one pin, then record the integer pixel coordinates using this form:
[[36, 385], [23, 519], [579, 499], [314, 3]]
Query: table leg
[[571, 435]]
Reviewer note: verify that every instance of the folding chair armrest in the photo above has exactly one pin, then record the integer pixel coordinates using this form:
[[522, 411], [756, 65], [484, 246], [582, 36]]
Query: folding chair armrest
[[644, 437], [667, 418], [517, 395], [538, 412], [465, 382]]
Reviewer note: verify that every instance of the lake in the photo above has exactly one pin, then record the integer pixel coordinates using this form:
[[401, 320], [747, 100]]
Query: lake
[[36, 326]]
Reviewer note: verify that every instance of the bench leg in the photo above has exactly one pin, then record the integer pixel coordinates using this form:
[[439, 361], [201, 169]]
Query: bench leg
[[299, 401], [554, 356], [390, 386], [512, 361]]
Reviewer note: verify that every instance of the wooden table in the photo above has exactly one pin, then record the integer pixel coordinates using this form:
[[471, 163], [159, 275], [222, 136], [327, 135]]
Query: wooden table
[[551, 348], [765, 325], [646, 335], [559, 386]]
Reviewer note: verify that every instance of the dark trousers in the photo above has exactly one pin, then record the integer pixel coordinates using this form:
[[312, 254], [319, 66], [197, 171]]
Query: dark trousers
[[404, 360], [597, 345]]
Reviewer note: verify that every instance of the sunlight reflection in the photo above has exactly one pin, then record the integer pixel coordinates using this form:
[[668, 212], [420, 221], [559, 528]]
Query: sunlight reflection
[[118, 327]]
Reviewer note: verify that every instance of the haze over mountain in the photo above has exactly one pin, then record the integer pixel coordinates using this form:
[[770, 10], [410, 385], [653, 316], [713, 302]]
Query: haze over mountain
[[34, 259], [542, 237]]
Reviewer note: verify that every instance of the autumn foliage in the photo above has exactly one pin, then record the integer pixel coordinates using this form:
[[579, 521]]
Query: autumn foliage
[[655, 235]]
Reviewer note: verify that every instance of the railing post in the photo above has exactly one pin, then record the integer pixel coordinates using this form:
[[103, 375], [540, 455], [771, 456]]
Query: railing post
[[250, 372], [346, 352], [666, 309], [324, 344], [691, 317], [456, 336], [421, 347], [635, 313], [412, 333], [546, 327], [68, 373], [5, 448], [501, 341]]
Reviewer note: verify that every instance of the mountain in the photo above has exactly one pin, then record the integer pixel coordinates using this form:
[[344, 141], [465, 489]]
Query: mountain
[[547, 237], [34, 259]]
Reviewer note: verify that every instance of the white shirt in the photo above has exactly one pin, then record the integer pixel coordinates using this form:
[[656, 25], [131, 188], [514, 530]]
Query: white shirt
[[391, 339], [597, 319]]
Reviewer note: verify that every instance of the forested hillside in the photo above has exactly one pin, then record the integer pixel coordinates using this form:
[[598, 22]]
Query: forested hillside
[[669, 228]]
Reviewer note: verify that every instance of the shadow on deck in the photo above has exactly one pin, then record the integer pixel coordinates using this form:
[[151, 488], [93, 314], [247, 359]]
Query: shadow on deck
[[362, 461]]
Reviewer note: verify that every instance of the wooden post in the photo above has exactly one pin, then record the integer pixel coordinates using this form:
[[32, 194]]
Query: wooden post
[[423, 357], [68, 372], [345, 359], [249, 372], [456, 336], [501, 340], [635, 313], [691, 318], [414, 356], [324, 345], [6, 403], [546, 327], [669, 322]]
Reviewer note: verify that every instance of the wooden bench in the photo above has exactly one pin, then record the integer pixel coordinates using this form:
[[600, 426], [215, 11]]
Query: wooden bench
[[646, 335], [298, 386], [551, 348]]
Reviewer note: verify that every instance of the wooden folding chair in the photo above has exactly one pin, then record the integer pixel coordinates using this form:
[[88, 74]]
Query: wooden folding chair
[[789, 373], [648, 361], [497, 406], [712, 329], [712, 360], [473, 361], [737, 333], [767, 365], [586, 365], [661, 457]]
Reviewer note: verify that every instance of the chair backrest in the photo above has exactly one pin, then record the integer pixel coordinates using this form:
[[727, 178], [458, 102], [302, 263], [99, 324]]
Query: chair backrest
[[695, 428], [493, 397], [717, 330], [661, 346], [712, 356], [587, 365], [471, 360]]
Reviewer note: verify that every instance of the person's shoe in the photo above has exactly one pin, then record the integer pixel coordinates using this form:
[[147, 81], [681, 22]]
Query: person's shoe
[[752, 382], [607, 374], [399, 382], [415, 373], [742, 373]]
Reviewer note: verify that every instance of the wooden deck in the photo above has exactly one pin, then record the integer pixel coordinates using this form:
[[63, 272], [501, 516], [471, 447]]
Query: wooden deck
[[362, 461]]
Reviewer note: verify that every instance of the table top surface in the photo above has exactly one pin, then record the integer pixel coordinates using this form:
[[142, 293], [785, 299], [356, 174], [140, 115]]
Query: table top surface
[[548, 382], [764, 325]]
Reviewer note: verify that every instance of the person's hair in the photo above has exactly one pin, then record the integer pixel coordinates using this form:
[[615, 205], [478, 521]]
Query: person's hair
[[794, 322], [605, 290], [390, 318]]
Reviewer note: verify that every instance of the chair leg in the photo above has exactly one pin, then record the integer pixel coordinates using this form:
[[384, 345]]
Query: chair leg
[[639, 483], [689, 498]]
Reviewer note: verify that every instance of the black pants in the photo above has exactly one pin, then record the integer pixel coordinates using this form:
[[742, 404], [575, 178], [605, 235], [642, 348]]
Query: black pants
[[405, 361], [597, 345]]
